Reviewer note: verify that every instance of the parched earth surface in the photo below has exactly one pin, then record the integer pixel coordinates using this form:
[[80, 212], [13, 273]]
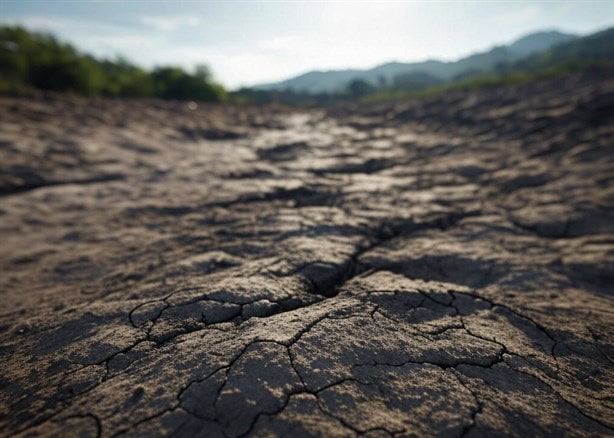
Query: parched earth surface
[[442, 266]]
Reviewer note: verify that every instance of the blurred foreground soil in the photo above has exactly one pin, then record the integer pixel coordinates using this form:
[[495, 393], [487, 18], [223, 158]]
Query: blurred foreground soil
[[441, 266]]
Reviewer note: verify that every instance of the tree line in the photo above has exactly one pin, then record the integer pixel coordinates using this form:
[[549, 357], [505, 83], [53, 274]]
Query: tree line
[[31, 60]]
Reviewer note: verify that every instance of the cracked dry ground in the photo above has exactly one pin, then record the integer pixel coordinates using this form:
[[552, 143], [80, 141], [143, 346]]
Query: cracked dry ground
[[434, 267]]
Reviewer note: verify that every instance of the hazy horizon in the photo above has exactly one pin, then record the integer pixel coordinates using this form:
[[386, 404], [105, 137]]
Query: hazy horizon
[[248, 43]]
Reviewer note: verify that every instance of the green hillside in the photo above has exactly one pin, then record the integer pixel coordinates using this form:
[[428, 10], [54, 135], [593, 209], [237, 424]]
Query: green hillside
[[30, 60]]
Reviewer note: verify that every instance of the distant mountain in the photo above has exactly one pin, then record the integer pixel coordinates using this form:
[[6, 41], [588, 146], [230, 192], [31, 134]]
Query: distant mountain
[[316, 81], [437, 71], [597, 47], [538, 42]]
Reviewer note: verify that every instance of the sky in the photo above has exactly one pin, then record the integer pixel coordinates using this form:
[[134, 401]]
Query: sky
[[252, 42]]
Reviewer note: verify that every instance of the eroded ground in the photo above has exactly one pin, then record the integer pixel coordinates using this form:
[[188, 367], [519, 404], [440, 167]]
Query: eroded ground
[[436, 267]]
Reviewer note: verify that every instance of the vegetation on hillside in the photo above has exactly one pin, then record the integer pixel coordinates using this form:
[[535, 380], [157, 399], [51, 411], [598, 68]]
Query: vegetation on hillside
[[30, 60]]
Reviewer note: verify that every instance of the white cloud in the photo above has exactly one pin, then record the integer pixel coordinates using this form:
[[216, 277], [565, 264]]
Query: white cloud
[[65, 25], [525, 15], [168, 24], [283, 43]]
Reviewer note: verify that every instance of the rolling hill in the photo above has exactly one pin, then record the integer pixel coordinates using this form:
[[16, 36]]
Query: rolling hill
[[333, 81]]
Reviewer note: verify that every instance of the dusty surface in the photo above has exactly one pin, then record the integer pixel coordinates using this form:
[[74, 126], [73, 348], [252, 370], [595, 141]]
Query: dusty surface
[[438, 267]]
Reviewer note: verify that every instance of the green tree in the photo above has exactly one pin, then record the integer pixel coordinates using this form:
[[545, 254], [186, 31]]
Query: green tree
[[40, 61], [359, 88]]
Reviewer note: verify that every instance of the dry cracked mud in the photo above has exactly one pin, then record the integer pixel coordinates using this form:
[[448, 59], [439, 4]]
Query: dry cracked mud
[[442, 266]]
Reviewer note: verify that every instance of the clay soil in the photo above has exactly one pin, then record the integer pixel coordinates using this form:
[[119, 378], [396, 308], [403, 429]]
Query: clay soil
[[436, 266]]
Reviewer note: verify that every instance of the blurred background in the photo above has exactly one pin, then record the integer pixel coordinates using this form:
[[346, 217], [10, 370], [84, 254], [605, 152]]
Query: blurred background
[[293, 52]]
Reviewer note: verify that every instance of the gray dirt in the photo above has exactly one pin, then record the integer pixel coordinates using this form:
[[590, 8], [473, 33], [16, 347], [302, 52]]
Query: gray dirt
[[441, 266]]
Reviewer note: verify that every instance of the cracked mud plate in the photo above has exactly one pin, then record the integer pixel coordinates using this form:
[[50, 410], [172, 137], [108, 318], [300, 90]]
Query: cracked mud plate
[[435, 267]]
